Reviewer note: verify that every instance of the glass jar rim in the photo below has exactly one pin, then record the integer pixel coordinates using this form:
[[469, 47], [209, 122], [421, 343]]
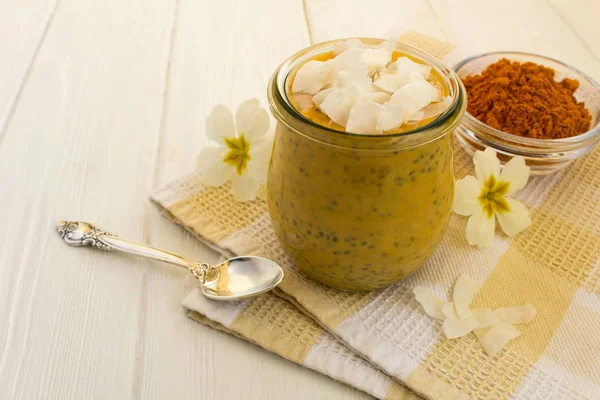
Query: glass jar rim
[[279, 100]]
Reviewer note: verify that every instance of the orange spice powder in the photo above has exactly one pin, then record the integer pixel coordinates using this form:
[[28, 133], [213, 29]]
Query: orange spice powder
[[525, 100]]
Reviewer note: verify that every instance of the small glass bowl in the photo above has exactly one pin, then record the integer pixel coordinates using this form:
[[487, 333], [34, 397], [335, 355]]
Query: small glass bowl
[[544, 156]]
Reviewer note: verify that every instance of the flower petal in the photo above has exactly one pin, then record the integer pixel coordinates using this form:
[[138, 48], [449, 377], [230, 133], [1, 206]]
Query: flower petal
[[466, 191], [219, 124], [480, 230], [516, 172], [244, 187], [515, 220], [486, 164], [258, 166], [251, 120], [213, 170], [245, 111]]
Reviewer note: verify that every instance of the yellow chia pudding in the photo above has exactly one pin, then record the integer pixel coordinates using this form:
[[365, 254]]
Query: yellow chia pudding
[[360, 211]]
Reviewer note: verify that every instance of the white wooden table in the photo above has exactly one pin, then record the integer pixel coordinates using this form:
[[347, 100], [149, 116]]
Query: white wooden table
[[101, 102]]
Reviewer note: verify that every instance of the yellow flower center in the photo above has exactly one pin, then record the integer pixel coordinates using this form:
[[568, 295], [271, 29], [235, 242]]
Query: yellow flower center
[[492, 197], [239, 153]]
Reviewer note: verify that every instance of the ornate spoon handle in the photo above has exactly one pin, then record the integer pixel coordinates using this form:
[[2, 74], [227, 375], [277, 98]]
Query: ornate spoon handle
[[79, 233]]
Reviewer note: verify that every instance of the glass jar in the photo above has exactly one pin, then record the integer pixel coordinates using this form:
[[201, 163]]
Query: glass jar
[[359, 212]]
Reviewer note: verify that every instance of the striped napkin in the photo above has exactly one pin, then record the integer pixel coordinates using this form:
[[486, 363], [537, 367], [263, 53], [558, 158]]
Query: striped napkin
[[278, 326], [554, 265]]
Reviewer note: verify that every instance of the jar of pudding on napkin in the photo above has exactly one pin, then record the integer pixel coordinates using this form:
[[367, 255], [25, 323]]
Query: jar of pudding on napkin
[[360, 184]]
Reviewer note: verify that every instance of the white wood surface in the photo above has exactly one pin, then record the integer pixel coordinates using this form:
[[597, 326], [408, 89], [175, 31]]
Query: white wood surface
[[103, 101]]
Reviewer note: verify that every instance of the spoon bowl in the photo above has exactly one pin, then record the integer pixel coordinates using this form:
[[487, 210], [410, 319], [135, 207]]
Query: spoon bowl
[[241, 277]]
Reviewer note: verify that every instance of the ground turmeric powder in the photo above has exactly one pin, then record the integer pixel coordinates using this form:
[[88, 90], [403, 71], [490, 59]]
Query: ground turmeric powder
[[525, 100]]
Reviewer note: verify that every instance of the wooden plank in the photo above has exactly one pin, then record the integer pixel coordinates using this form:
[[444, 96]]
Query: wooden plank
[[223, 52], [581, 17], [22, 27], [374, 18], [531, 26], [81, 144]]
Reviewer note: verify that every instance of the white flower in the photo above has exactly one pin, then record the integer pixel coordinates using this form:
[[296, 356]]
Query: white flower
[[242, 156], [486, 195]]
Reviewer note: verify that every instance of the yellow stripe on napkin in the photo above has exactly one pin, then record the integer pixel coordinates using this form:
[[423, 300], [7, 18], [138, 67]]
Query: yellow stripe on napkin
[[277, 326]]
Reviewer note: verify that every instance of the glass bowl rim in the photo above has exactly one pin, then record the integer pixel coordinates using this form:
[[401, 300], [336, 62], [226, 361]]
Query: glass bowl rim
[[509, 137]]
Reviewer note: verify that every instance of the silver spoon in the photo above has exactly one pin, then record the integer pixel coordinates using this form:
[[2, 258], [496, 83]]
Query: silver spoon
[[234, 279]]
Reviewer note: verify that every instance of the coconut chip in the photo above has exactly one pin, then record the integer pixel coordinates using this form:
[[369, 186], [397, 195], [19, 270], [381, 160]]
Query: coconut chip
[[393, 82], [377, 97], [341, 47], [347, 58], [388, 45], [350, 78], [338, 103], [311, 77], [485, 316], [431, 304], [376, 58], [496, 337], [320, 97], [449, 311], [363, 117], [455, 328], [415, 118], [435, 109], [406, 65], [390, 117], [464, 290], [400, 84], [304, 101], [516, 315], [351, 73], [389, 82], [494, 329], [414, 96]]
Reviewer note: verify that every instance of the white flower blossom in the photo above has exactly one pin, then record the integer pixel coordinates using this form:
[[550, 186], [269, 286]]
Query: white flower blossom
[[240, 152], [485, 196]]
